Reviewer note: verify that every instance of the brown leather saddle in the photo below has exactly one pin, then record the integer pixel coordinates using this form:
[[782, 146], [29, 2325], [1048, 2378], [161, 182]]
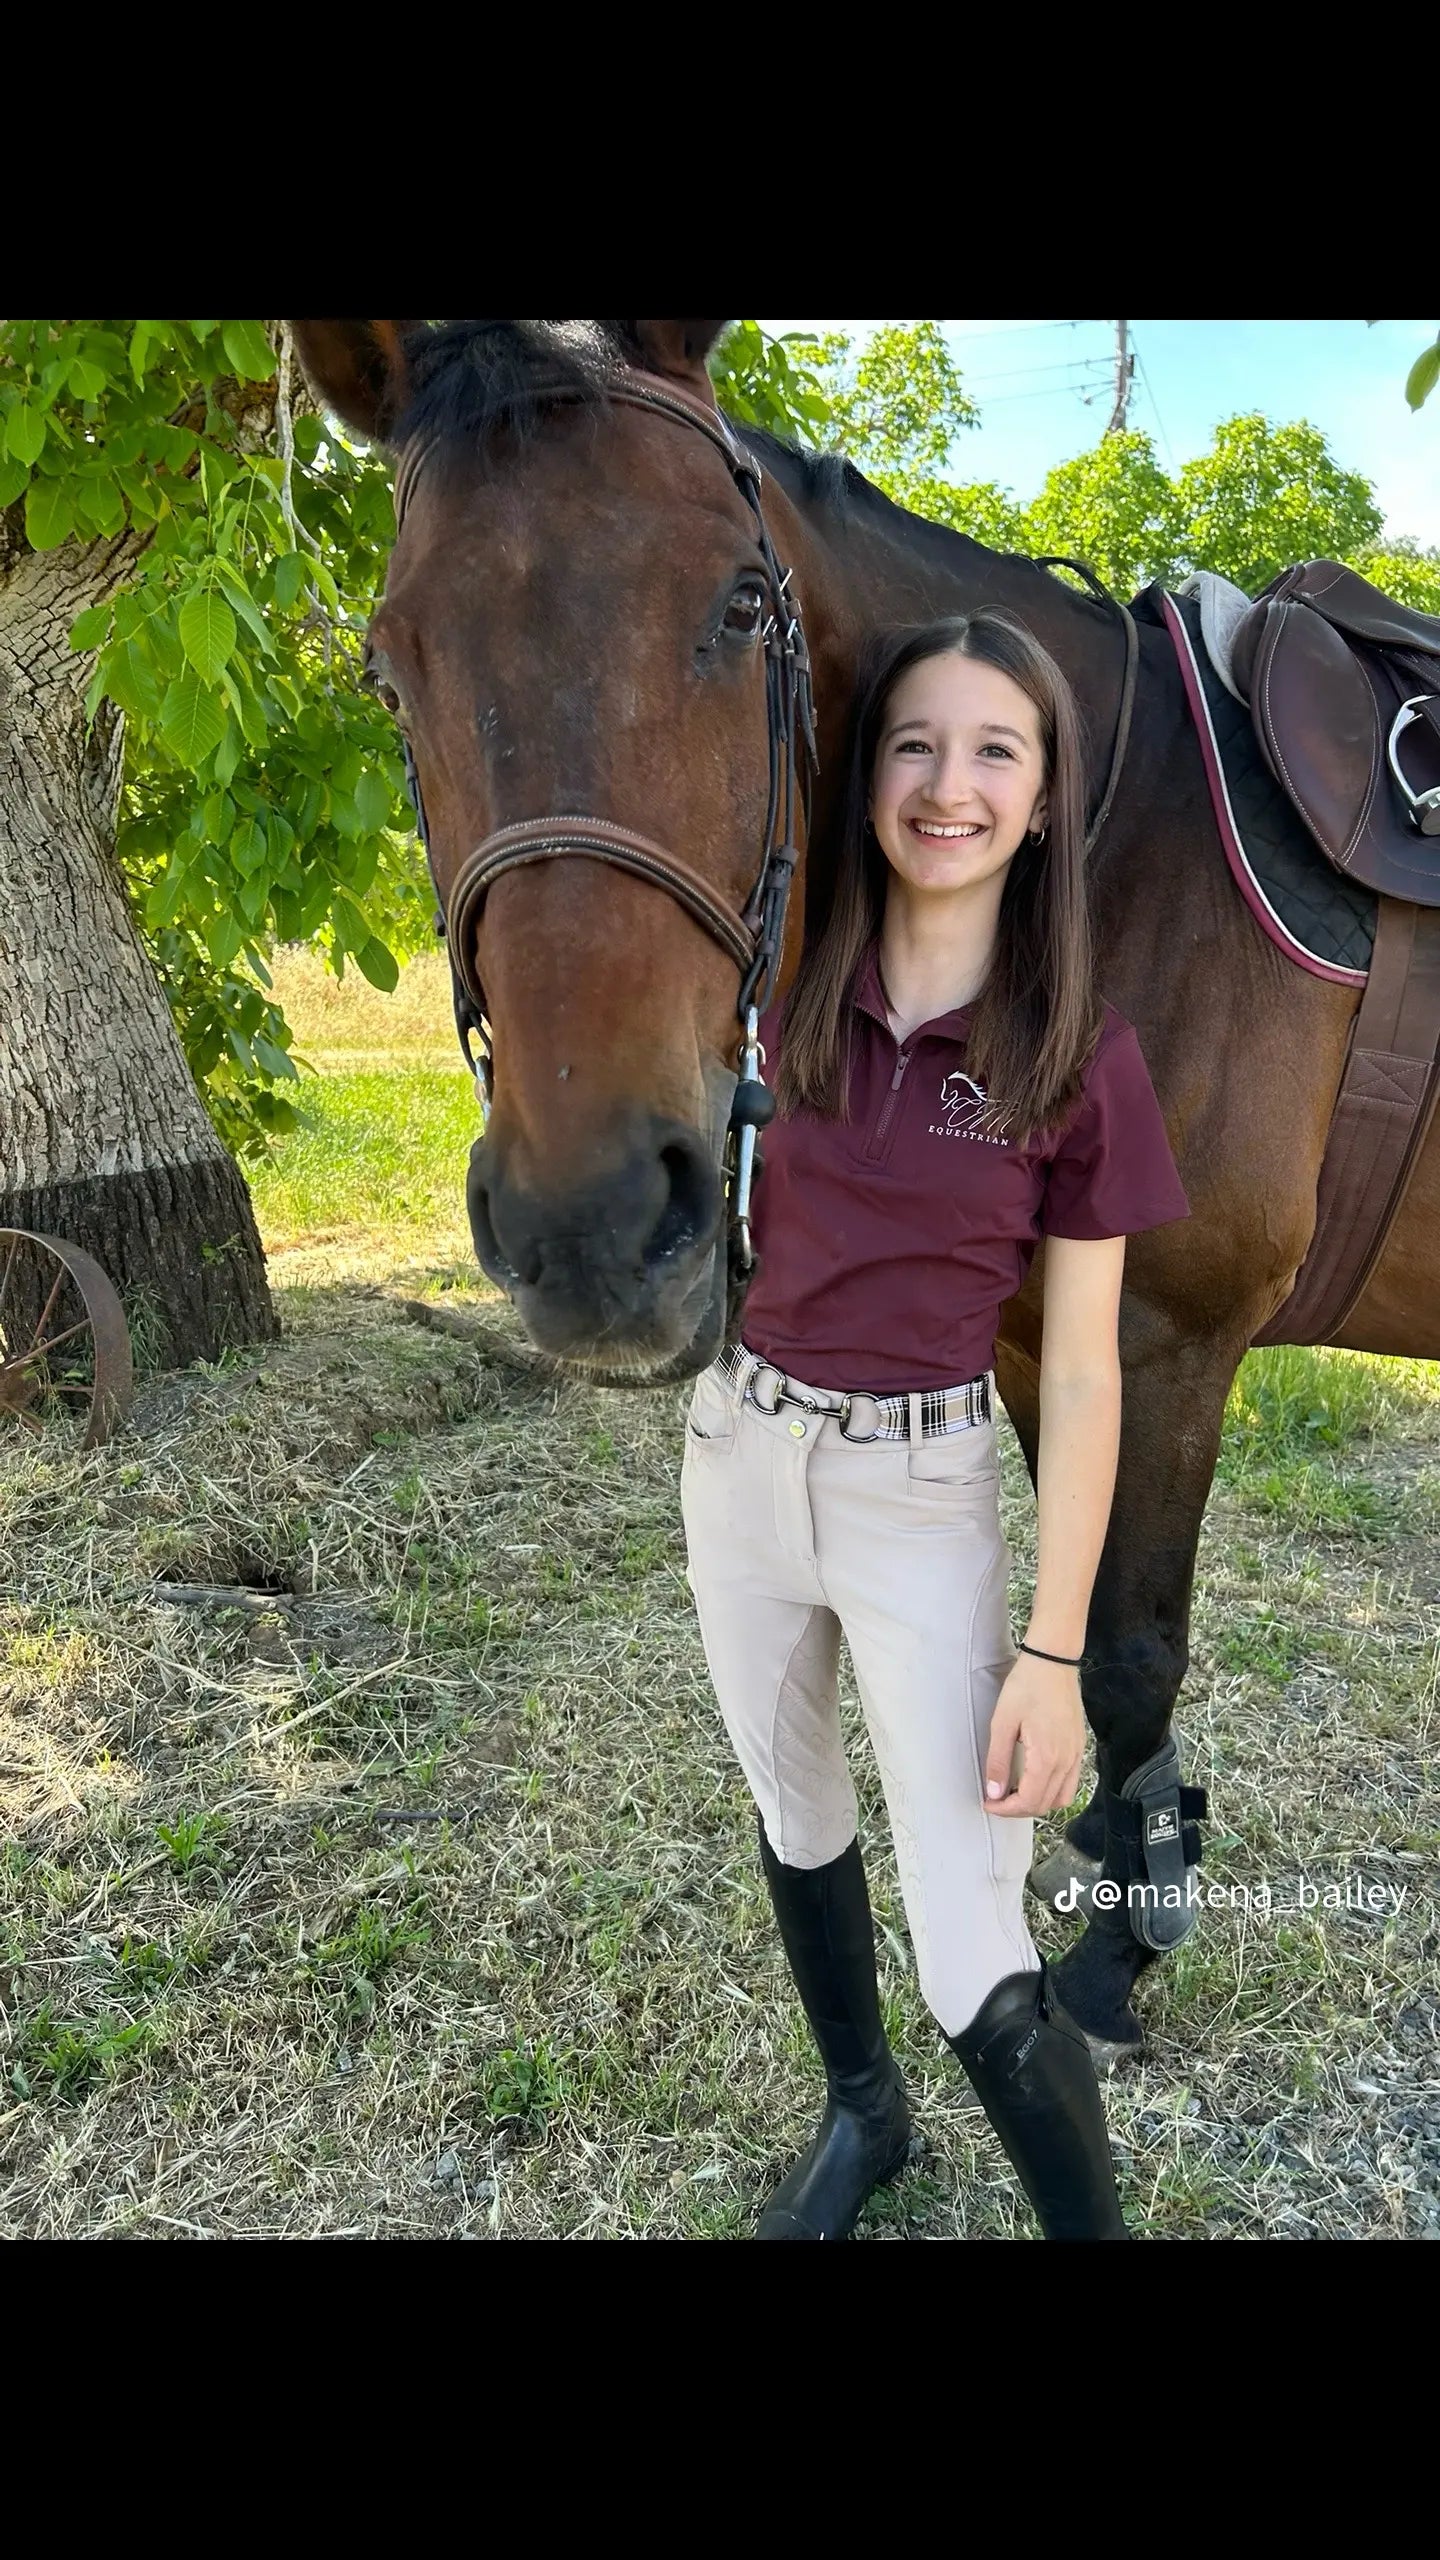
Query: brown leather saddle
[[1344, 691]]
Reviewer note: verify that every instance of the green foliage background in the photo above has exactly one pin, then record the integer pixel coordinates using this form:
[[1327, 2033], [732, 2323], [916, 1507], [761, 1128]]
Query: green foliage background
[[263, 797]]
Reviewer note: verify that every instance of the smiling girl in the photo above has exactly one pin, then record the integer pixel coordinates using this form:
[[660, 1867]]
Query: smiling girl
[[951, 1091]]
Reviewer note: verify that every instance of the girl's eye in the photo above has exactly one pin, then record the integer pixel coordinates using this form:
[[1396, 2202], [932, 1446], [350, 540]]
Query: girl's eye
[[745, 612], [993, 747], [912, 747]]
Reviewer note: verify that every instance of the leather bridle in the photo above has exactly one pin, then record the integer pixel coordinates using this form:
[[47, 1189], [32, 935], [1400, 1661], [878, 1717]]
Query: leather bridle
[[751, 936]]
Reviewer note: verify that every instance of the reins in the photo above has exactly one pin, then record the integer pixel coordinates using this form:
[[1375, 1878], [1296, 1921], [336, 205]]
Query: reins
[[1058, 560]]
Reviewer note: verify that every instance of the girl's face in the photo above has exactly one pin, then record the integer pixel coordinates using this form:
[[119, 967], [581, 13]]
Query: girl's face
[[959, 775]]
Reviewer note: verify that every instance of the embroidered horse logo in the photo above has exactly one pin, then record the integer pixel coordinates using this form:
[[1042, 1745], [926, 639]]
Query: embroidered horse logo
[[962, 1100]]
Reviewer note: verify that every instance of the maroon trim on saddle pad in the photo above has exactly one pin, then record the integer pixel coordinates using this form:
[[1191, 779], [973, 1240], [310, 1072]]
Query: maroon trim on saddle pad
[[1245, 880]]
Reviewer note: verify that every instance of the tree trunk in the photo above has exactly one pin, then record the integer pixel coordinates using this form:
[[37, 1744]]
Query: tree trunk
[[103, 1135]]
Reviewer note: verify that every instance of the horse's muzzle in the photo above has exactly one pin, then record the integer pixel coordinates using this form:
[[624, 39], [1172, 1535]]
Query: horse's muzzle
[[621, 1273]]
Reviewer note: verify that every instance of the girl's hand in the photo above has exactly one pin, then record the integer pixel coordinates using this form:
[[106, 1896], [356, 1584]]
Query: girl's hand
[[1039, 1708]]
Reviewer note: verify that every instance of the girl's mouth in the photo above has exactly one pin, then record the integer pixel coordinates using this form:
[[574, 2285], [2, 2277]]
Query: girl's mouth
[[945, 835]]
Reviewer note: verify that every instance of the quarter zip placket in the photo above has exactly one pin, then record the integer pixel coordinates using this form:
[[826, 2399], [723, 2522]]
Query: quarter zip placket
[[882, 1135]]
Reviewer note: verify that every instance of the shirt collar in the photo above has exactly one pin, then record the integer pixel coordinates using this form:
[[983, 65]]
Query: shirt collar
[[870, 999]]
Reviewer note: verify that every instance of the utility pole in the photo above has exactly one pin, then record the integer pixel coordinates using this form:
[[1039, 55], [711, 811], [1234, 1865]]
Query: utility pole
[[1124, 375]]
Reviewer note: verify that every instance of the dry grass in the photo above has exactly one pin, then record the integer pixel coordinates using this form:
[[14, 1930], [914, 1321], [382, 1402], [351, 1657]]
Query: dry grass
[[347, 1023], [244, 1995], [374, 1862]]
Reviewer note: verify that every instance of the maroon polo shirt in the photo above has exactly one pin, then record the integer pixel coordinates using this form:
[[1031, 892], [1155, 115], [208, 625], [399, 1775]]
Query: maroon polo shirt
[[888, 1242]]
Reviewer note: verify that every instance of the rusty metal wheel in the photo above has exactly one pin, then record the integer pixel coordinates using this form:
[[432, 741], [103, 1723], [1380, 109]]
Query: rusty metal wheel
[[64, 1345]]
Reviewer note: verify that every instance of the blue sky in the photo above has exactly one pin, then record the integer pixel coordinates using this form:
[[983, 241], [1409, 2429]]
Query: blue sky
[[1032, 378]]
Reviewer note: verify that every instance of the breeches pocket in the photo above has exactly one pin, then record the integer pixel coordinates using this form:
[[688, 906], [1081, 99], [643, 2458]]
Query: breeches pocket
[[714, 1412], [960, 1467]]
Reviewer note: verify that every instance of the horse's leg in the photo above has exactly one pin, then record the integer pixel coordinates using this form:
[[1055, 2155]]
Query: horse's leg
[[1136, 1647]]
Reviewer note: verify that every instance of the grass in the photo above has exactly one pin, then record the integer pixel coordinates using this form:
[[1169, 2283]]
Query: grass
[[404, 1885], [378, 1150]]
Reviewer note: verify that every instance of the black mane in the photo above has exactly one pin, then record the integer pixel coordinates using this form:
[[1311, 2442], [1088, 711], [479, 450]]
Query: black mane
[[469, 379]]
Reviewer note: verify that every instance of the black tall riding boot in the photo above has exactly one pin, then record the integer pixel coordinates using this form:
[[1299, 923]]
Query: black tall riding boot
[[1031, 2070], [864, 2136]]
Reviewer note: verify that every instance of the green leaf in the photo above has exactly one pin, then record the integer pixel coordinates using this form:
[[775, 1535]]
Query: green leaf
[[144, 501], [207, 634], [191, 720], [273, 1061], [289, 579], [89, 628], [49, 515], [13, 476], [86, 380], [223, 937], [248, 349], [130, 680], [1424, 374], [244, 603], [248, 845], [168, 895], [227, 754], [379, 965], [98, 503], [25, 430], [372, 801]]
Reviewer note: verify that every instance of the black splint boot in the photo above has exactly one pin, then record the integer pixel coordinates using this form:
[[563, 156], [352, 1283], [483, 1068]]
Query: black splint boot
[[865, 2135], [1031, 2069]]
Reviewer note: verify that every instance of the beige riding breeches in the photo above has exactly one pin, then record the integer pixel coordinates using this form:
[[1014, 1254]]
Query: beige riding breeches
[[796, 1537]]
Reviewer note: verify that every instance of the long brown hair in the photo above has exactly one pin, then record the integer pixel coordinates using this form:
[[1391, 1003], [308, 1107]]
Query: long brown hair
[[1037, 1018]]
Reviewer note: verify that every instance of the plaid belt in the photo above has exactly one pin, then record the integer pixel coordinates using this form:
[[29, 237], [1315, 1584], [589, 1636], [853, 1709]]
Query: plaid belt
[[942, 1409]]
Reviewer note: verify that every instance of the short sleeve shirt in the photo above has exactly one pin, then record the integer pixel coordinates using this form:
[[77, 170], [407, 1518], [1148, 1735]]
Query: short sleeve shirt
[[887, 1242]]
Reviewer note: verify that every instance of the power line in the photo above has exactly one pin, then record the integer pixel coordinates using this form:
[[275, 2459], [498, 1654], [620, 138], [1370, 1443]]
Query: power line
[[1050, 391], [1155, 405], [1070, 364]]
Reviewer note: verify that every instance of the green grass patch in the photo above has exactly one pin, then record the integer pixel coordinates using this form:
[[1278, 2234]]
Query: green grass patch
[[62, 2058], [1289, 1403], [381, 1150]]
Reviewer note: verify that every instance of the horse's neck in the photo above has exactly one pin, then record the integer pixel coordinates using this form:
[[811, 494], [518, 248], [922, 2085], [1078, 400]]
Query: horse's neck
[[867, 566]]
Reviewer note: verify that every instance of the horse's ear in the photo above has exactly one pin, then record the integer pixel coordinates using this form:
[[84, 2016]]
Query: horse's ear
[[675, 348], [357, 368]]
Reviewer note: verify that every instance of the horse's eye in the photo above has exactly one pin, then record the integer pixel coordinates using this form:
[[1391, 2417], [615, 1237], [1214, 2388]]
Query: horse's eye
[[373, 679], [745, 611]]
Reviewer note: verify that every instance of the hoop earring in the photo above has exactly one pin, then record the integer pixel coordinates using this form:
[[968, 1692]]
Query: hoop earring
[[1037, 841]]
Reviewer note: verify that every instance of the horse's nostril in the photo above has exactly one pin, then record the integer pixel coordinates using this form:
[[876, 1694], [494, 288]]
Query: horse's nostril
[[487, 1244], [689, 1212]]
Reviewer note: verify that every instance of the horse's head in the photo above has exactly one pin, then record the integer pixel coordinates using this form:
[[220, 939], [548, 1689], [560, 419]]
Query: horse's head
[[573, 627]]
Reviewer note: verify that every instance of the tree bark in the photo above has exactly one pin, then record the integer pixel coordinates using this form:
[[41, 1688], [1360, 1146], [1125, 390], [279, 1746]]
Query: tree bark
[[103, 1134]]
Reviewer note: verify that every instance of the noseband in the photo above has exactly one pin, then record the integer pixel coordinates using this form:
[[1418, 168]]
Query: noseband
[[752, 936]]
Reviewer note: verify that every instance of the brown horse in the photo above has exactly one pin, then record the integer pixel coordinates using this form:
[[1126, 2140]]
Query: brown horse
[[570, 624]]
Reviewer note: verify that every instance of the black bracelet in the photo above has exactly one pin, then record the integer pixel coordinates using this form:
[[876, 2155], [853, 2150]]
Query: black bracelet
[[1072, 1662]]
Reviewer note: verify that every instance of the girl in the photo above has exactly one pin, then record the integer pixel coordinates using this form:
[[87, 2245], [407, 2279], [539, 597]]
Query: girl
[[951, 1089]]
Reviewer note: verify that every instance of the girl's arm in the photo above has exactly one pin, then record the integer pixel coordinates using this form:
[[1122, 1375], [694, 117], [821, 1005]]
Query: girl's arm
[[1039, 1706]]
